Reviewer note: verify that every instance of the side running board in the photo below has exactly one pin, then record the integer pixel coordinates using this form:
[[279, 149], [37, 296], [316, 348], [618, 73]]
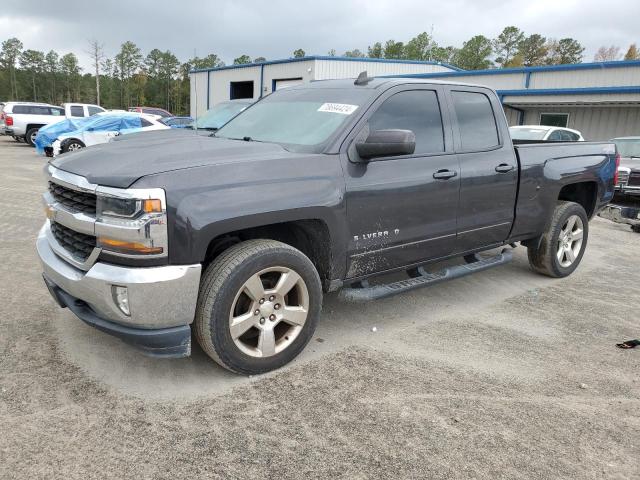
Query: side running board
[[423, 279]]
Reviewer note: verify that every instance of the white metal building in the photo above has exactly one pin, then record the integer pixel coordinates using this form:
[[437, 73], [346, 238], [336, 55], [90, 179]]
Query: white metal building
[[253, 80], [602, 100]]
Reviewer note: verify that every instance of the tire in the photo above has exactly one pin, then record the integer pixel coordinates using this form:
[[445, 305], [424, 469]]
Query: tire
[[263, 339], [71, 145], [30, 136], [547, 258]]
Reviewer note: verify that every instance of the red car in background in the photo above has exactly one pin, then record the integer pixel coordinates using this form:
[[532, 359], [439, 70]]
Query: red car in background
[[152, 111]]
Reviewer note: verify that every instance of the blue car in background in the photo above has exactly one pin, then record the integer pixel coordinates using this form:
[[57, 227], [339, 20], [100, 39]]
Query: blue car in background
[[177, 122]]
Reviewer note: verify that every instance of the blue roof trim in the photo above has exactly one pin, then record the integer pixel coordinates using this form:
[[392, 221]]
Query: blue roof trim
[[324, 57], [506, 71], [568, 91]]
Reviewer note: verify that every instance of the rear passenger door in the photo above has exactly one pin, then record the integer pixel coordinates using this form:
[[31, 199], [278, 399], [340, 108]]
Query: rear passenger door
[[398, 212], [488, 168]]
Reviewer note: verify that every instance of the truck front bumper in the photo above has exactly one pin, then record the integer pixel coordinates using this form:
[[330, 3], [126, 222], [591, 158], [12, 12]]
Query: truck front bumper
[[161, 300]]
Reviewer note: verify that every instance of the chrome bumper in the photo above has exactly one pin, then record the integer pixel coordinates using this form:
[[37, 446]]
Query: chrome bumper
[[621, 214], [159, 297]]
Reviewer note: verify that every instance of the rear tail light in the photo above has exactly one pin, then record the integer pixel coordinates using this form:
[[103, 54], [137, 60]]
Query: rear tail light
[[8, 121], [616, 177]]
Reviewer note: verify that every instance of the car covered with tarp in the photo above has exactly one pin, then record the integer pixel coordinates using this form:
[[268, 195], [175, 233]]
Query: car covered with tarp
[[48, 134], [101, 129]]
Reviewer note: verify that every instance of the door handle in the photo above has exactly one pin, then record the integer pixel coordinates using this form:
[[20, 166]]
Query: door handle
[[444, 174], [504, 168]]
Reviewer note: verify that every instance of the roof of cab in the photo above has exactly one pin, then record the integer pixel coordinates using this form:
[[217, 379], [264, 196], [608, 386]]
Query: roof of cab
[[377, 82]]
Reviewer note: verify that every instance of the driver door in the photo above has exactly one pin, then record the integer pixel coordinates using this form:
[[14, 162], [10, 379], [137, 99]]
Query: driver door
[[402, 210]]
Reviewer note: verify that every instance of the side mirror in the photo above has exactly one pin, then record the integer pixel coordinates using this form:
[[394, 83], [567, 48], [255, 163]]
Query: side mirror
[[387, 143]]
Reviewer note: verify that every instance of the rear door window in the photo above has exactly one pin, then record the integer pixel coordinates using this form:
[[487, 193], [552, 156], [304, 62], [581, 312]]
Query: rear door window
[[476, 121], [415, 110], [77, 111], [39, 110], [555, 136]]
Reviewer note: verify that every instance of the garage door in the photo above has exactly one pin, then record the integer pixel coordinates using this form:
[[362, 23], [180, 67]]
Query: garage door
[[286, 82]]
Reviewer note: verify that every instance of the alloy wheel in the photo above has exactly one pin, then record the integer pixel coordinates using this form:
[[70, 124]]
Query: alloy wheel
[[570, 241], [269, 312]]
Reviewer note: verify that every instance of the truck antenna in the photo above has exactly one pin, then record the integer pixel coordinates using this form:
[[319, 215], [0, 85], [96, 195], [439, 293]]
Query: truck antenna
[[363, 79]]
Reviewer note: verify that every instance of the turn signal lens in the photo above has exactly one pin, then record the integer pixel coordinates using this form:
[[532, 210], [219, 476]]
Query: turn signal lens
[[128, 247], [152, 206]]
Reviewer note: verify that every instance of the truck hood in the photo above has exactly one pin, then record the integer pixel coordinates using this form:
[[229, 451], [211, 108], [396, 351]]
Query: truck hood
[[120, 163]]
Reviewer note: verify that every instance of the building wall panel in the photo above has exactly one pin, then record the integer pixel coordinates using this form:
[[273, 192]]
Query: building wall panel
[[219, 85], [604, 77], [595, 123], [287, 70], [332, 69], [198, 92]]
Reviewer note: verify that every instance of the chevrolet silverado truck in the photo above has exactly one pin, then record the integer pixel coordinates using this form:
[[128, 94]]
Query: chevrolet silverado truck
[[234, 236]]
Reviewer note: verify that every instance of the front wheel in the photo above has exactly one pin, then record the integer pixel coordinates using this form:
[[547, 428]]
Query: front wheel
[[258, 306], [563, 243]]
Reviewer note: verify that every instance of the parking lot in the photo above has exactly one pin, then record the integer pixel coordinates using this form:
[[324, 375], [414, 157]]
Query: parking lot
[[504, 374]]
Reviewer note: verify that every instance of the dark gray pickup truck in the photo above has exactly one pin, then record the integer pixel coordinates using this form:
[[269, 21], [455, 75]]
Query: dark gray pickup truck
[[315, 188]]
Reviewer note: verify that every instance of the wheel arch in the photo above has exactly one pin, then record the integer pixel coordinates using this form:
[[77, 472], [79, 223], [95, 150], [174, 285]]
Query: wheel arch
[[311, 236], [583, 193]]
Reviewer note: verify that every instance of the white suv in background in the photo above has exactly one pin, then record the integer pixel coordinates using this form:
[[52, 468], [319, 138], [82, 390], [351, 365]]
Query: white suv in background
[[22, 120], [74, 110]]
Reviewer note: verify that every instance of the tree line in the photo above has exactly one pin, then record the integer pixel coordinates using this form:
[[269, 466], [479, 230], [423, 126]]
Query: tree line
[[160, 79]]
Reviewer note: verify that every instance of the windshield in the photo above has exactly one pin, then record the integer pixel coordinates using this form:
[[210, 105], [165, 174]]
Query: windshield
[[301, 120], [628, 147], [528, 133], [217, 116]]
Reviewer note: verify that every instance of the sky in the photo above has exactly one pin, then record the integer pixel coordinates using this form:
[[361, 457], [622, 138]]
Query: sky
[[275, 28]]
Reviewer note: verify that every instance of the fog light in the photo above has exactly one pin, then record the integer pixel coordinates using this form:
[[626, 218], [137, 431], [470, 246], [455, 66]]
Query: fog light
[[121, 298]]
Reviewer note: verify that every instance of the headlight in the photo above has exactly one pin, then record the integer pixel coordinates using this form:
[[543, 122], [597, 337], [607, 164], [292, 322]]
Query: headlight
[[131, 222]]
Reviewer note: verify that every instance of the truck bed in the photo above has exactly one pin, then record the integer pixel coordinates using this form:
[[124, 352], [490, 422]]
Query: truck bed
[[545, 168]]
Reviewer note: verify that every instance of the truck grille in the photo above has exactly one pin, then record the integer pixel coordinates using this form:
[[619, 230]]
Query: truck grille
[[634, 179], [77, 244], [74, 200]]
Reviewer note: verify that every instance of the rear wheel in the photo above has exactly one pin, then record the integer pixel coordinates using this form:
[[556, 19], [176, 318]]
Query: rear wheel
[[30, 137], [563, 243], [258, 306]]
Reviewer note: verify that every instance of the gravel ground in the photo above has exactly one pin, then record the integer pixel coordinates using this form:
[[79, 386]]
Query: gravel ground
[[505, 374]]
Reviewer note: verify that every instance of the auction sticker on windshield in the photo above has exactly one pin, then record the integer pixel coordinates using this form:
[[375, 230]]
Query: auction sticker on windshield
[[343, 108]]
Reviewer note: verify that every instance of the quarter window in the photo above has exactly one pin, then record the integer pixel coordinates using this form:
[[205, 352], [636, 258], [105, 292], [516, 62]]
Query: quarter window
[[415, 110], [476, 121]]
